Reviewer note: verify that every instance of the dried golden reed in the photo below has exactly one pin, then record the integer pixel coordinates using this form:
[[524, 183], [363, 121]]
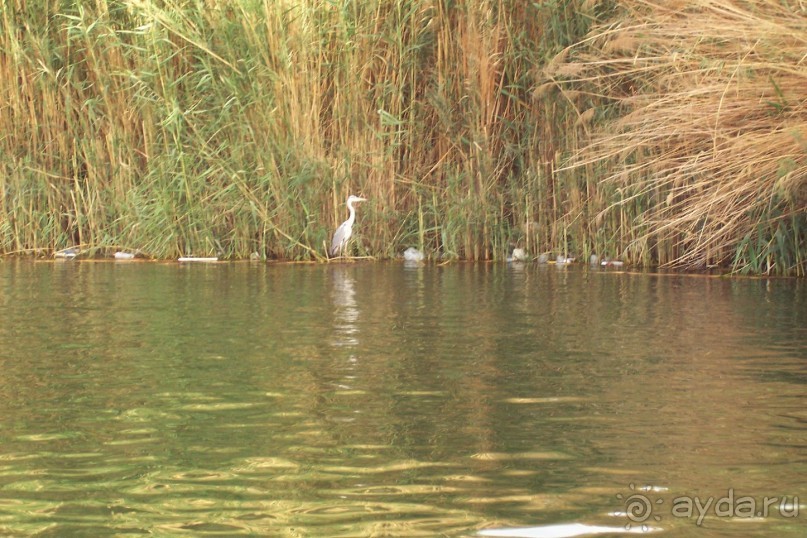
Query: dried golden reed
[[719, 120]]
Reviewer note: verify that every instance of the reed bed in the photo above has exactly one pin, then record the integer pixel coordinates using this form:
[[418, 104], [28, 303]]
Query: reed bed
[[704, 132], [203, 127]]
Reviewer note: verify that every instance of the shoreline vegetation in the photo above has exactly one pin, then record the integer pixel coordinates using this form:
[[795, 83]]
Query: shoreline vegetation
[[660, 133]]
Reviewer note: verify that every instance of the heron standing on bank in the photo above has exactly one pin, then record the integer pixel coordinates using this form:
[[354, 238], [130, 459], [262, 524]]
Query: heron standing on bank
[[345, 230]]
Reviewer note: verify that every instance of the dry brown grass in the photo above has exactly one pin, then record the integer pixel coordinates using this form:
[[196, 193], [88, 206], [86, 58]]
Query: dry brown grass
[[709, 133]]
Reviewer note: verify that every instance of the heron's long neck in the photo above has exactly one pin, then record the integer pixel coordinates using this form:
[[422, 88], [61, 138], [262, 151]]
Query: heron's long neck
[[352, 216]]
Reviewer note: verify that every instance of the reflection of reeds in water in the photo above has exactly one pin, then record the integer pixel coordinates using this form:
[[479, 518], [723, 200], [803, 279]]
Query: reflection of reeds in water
[[240, 128]]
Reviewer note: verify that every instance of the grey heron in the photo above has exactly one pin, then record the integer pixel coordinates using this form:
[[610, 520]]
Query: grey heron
[[345, 230]]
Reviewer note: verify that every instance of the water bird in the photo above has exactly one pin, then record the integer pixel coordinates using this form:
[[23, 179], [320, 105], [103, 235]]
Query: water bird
[[124, 255], [68, 253], [543, 258], [413, 255], [345, 230], [611, 263], [594, 259], [561, 259]]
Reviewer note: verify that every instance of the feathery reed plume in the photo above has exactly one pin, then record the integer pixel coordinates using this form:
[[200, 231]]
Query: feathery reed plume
[[708, 134]]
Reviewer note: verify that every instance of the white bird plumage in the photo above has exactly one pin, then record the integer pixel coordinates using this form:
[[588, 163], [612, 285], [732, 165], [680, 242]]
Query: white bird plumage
[[345, 230]]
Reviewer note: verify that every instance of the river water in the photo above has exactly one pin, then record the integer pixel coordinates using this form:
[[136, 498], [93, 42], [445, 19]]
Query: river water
[[385, 399]]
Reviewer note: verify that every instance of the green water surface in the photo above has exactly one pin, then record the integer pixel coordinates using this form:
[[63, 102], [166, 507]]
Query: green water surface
[[394, 400]]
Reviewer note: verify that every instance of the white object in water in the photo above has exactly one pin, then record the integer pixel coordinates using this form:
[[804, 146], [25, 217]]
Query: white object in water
[[594, 259], [563, 259], [413, 255], [613, 263], [68, 253], [565, 531], [519, 255], [124, 255], [199, 260]]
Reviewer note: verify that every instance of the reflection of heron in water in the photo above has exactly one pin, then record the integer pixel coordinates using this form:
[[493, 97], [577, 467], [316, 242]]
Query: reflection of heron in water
[[345, 230], [343, 295]]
